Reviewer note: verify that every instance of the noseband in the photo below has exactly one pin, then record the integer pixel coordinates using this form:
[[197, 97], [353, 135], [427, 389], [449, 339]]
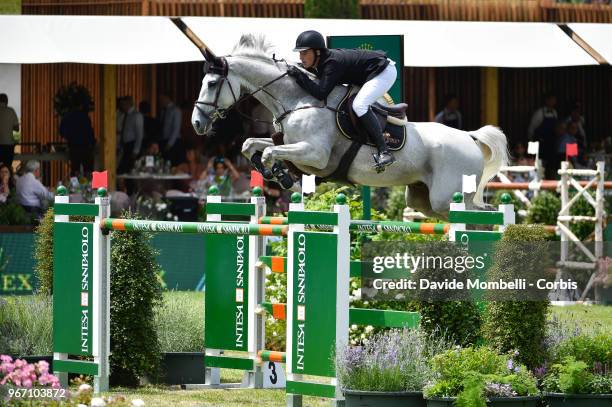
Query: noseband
[[219, 68]]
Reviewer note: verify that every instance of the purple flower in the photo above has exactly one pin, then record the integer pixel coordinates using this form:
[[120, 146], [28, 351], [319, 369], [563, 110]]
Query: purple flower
[[540, 372], [510, 364]]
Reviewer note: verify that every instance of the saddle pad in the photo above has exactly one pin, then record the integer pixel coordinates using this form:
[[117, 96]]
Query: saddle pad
[[394, 135]]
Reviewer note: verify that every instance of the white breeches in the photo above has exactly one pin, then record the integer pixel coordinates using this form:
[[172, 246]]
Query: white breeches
[[373, 89]]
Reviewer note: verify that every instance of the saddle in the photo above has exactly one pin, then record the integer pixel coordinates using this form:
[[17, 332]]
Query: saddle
[[391, 118]]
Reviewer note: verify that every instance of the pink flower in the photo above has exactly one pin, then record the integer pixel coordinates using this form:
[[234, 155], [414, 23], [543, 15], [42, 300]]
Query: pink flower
[[7, 368], [20, 363], [6, 358], [43, 366], [27, 383]]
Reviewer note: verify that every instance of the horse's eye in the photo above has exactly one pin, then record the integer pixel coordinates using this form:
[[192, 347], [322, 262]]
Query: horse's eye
[[212, 83]]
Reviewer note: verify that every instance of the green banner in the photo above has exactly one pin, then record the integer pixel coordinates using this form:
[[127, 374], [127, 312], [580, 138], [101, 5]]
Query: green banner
[[17, 263], [314, 296], [73, 278], [393, 45], [227, 285]]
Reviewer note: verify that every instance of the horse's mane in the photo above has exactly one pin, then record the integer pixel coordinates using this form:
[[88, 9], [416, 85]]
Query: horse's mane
[[254, 46]]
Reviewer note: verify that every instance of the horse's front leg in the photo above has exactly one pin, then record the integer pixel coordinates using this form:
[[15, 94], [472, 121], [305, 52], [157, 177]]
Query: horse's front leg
[[302, 153], [254, 144]]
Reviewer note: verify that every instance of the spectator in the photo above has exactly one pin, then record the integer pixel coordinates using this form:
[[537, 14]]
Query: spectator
[[152, 126], [542, 128], [450, 116], [8, 123], [222, 173], [192, 165], [132, 131], [76, 128], [7, 184], [31, 193], [171, 118], [576, 117]]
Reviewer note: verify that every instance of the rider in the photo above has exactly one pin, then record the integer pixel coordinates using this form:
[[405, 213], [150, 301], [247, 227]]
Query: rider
[[371, 70]]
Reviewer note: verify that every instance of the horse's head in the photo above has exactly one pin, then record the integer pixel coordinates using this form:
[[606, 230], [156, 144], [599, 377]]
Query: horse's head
[[220, 90]]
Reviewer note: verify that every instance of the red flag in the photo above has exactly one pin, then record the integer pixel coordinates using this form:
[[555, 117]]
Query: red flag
[[99, 180], [571, 150], [256, 179]]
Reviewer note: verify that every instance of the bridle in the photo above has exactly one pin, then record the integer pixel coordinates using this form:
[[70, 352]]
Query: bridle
[[220, 67]]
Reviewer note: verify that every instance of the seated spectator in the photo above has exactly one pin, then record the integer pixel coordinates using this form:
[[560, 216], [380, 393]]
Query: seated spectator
[[450, 116], [7, 183], [577, 119], [193, 165], [31, 193], [222, 173]]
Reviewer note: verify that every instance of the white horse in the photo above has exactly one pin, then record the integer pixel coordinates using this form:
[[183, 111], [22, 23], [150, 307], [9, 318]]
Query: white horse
[[431, 163]]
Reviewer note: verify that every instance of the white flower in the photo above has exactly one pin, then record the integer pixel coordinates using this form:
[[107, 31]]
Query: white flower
[[353, 326], [138, 403], [169, 215], [175, 218], [98, 402], [81, 405], [369, 328], [85, 387]]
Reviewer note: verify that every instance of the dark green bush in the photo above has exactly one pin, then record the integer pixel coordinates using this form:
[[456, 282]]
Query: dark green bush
[[510, 325], [43, 254], [11, 213], [135, 294], [544, 209]]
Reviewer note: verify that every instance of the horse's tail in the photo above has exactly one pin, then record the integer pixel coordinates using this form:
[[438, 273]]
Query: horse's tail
[[494, 147]]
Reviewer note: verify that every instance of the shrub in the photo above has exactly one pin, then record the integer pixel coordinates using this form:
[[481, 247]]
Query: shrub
[[331, 9], [588, 349], [43, 254], [135, 294], [26, 325], [573, 377], [472, 374], [544, 209], [178, 322], [396, 360], [11, 213], [518, 325]]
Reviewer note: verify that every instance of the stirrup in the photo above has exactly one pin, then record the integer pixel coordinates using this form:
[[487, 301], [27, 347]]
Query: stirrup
[[380, 166], [282, 177], [262, 169]]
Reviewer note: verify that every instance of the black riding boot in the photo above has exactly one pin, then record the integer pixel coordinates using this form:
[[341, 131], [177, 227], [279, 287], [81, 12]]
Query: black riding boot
[[258, 165], [282, 176], [372, 127]]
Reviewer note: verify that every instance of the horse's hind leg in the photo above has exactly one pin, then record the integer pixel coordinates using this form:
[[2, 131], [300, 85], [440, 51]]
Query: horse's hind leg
[[417, 197]]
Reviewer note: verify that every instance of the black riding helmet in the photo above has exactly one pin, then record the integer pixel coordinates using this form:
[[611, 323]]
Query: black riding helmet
[[309, 39]]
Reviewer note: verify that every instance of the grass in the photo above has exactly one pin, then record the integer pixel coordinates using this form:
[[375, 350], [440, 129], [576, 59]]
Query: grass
[[589, 317], [166, 396]]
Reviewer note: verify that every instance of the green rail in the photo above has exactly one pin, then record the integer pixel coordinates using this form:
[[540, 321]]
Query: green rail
[[194, 227]]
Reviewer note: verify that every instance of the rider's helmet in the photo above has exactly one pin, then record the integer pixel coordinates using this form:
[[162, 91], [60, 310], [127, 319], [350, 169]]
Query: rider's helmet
[[309, 39]]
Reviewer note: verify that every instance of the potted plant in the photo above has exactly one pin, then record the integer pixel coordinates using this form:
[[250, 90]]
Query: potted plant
[[389, 369], [583, 373], [479, 377]]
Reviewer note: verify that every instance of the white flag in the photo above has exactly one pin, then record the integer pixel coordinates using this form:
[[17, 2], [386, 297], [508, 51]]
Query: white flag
[[308, 184], [469, 183], [533, 147]]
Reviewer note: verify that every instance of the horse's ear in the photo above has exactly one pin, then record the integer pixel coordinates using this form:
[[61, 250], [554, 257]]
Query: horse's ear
[[247, 40]]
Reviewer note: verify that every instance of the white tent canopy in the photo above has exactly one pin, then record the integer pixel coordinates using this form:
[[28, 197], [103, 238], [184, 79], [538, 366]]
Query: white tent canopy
[[93, 39], [426, 43], [148, 40], [598, 36]]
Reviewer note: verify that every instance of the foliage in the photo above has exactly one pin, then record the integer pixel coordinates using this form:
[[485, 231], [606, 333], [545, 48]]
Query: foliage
[[586, 348], [496, 201], [26, 325], [70, 97], [574, 377], [331, 9], [11, 213], [135, 295], [395, 360], [43, 254], [178, 322], [544, 209], [472, 374], [510, 324]]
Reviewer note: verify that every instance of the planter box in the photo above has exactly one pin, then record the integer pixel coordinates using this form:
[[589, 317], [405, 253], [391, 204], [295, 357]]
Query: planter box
[[183, 368], [578, 400], [356, 398], [523, 401]]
